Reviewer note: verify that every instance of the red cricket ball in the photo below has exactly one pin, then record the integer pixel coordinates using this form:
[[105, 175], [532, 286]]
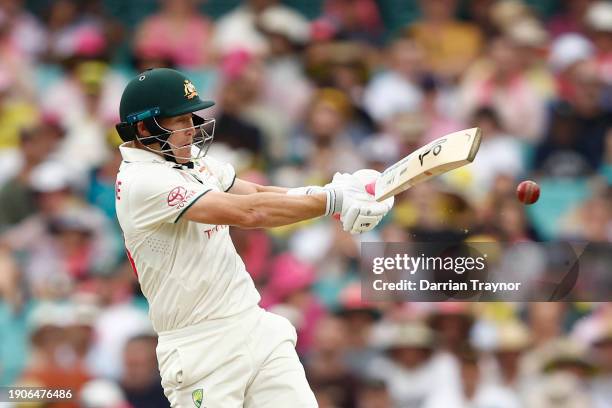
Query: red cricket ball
[[528, 192]]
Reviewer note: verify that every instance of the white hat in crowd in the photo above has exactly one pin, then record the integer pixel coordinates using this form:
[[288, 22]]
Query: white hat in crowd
[[569, 49], [599, 16]]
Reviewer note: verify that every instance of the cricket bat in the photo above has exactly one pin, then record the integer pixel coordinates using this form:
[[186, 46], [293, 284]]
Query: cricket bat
[[440, 156]]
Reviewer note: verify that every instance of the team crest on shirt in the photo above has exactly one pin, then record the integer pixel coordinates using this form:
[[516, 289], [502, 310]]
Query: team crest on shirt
[[178, 196], [197, 397], [190, 90]]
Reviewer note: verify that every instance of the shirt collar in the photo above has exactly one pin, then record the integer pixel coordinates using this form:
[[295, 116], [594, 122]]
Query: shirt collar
[[132, 154]]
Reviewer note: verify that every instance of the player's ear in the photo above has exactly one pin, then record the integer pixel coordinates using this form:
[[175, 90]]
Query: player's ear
[[142, 129]]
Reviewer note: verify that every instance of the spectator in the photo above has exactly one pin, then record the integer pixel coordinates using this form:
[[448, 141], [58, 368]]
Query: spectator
[[437, 109], [329, 132], [606, 167], [480, 12], [288, 294], [398, 86], [15, 308], [85, 103], [238, 29], [499, 152], [66, 240], [120, 320], [475, 391], [451, 322], [450, 45], [574, 142], [53, 364], [179, 33], [287, 34], [570, 19], [531, 40], [591, 221], [601, 348], [15, 113], [373, 394], [101, 184], [511, 342], [16, 198], [359, 317], [566, 52], [140, 380], [245, 83], [356, 21], [408, 366], [545, 321], [72, 31], [233, 129], [102, 394], [598, 19], [326, 370], [500, 81], [566, 368], [25, 34]]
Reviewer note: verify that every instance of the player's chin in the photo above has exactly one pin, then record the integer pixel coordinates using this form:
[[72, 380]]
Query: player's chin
[[183, 153]]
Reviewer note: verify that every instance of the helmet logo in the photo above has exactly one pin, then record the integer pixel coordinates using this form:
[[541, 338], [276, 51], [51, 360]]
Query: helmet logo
[[190, 90]]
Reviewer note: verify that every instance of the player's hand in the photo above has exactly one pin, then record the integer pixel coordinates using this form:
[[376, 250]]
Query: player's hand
[[367, 176], [359, 212]]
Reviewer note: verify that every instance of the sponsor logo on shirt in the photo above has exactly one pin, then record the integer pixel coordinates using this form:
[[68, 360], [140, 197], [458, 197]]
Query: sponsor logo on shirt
[[179, 196], [209, 233]]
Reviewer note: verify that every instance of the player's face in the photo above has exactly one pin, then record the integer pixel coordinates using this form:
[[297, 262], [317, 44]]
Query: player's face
[[180, 140]]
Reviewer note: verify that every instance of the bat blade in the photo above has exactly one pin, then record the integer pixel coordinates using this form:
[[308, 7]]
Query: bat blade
[[440, 156]]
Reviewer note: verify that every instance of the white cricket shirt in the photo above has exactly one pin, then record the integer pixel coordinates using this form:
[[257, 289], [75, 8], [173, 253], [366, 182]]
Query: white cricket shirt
[[189, 272]]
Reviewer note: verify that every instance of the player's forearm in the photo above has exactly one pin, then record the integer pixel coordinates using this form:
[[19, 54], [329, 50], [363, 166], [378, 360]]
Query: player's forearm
[[271, 189], [258, 210], [247, 187], [270, 209]]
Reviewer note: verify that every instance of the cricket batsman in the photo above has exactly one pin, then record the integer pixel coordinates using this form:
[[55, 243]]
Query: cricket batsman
[[217, 347]]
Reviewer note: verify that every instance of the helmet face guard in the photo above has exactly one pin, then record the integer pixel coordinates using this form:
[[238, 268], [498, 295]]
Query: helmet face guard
[[202, 139]]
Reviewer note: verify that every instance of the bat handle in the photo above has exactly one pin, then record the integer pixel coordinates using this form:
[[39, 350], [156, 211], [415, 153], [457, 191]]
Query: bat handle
[[370, 188]]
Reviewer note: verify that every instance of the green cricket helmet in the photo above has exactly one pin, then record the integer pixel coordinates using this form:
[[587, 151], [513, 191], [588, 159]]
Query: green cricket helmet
[[163, 93]]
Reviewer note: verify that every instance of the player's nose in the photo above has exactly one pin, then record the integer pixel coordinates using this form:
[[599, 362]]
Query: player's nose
[[190, 132]]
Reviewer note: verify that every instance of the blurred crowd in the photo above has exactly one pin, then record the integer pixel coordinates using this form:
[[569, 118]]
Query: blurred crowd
[[298, 99]]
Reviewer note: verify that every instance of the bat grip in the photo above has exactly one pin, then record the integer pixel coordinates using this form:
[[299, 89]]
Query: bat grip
[[370, 188]]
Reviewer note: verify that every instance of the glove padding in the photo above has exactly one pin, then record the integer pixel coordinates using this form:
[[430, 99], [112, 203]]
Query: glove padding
[[360, 212], [366, 222]]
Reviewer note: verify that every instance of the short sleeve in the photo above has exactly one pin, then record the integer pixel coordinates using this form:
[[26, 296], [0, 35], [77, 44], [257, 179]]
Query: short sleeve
[[162, 197], [224, 172]]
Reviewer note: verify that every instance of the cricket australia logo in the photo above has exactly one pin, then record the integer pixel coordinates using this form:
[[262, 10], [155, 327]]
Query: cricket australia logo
[[190, 90], [197, 397], [178, 196]]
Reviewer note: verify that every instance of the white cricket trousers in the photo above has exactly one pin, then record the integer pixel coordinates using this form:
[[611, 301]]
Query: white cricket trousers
[[248, 360]]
